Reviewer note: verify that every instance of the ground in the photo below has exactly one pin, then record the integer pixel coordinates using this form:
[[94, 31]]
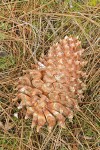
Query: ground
[[27, 29]]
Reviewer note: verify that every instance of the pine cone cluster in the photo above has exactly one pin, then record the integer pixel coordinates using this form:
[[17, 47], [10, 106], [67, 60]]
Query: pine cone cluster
[[51, 89]]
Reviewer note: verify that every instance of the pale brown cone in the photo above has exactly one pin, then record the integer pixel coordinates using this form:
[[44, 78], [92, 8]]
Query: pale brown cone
[[50, 91]]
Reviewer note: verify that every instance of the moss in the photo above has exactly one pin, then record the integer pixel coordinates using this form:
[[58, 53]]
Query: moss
[[93, 2], [6, 62]]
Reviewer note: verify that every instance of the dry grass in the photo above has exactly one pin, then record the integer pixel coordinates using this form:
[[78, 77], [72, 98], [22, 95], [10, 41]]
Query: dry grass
[[27, 29]]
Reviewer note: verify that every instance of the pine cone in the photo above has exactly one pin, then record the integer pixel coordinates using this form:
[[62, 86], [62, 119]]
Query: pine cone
[[51, 90]]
